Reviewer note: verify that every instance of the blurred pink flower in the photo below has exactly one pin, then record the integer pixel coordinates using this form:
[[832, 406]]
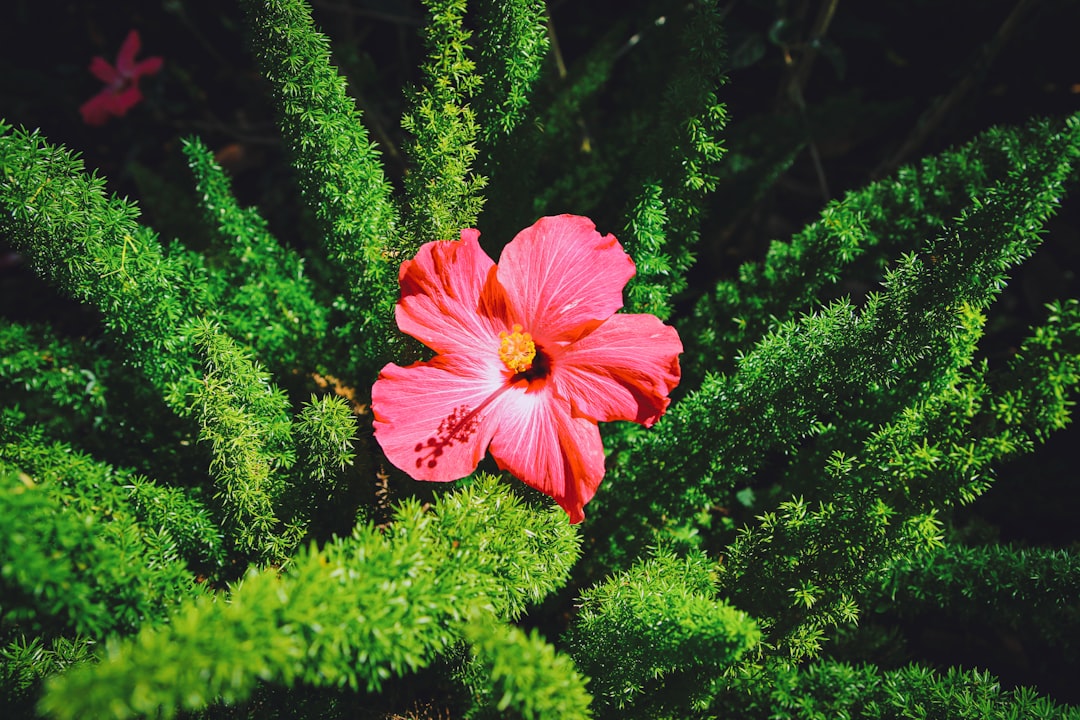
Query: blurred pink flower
[[121, 91], [531, 355]]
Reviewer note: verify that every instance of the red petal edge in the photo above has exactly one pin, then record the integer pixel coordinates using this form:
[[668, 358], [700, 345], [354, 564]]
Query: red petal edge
[[540, 443], [622, 370], [450, 300]]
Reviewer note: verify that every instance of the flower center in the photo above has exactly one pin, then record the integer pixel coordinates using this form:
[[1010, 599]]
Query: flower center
[[517, 349]]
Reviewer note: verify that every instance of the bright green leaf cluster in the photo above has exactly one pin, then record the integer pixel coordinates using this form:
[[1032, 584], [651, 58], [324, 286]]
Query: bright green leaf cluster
[[245, 420], [512, 44], [339, 174], [653, 636], [678, 167], [443, 190], [36, 362], [352, 613], [91, 247], [837, 404], [25, 663], [78, 558], [517, 672], [262, 291], [844, 362], [326, 429]]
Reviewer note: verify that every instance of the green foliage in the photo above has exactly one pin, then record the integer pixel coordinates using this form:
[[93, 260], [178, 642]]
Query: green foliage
[[91, 248], [352, 613], [339, 175], [652, 638], [937, 453], [830, 690], [512, 43], [845, 362], [195, 519], [326, 428], [100, 489], [245, 420], [1029, 390], [443, 190], [678, 167], [37, 363], [656, 162], [514, 674], [116, 571], [554, 164], [1030, 591], [858, 237], [24, 664], [273, 310]]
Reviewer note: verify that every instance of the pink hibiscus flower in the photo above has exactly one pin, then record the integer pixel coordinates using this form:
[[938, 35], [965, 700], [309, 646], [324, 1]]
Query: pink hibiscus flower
[[531, 355], [121, 91]]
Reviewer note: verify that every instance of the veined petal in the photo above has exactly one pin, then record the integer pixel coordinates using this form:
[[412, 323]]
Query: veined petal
[[125, 59], [434, 419], [450, 300], [102, 70], [541, 443], [560, 274], [622, 370]]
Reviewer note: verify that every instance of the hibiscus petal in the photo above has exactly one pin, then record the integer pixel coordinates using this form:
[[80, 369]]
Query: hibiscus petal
[[560, 274], [434, 419], [450, 300], [125, 59], [539, 442], [622, 370], [121, 102], [103, 71], [97, 109], [149, 66]]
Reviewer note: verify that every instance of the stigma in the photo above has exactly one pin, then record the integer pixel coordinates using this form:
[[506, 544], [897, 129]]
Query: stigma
[[517, 349]]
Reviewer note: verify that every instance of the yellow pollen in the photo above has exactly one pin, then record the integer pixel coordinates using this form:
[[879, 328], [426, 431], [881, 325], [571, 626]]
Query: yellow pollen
[[517, 349]]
